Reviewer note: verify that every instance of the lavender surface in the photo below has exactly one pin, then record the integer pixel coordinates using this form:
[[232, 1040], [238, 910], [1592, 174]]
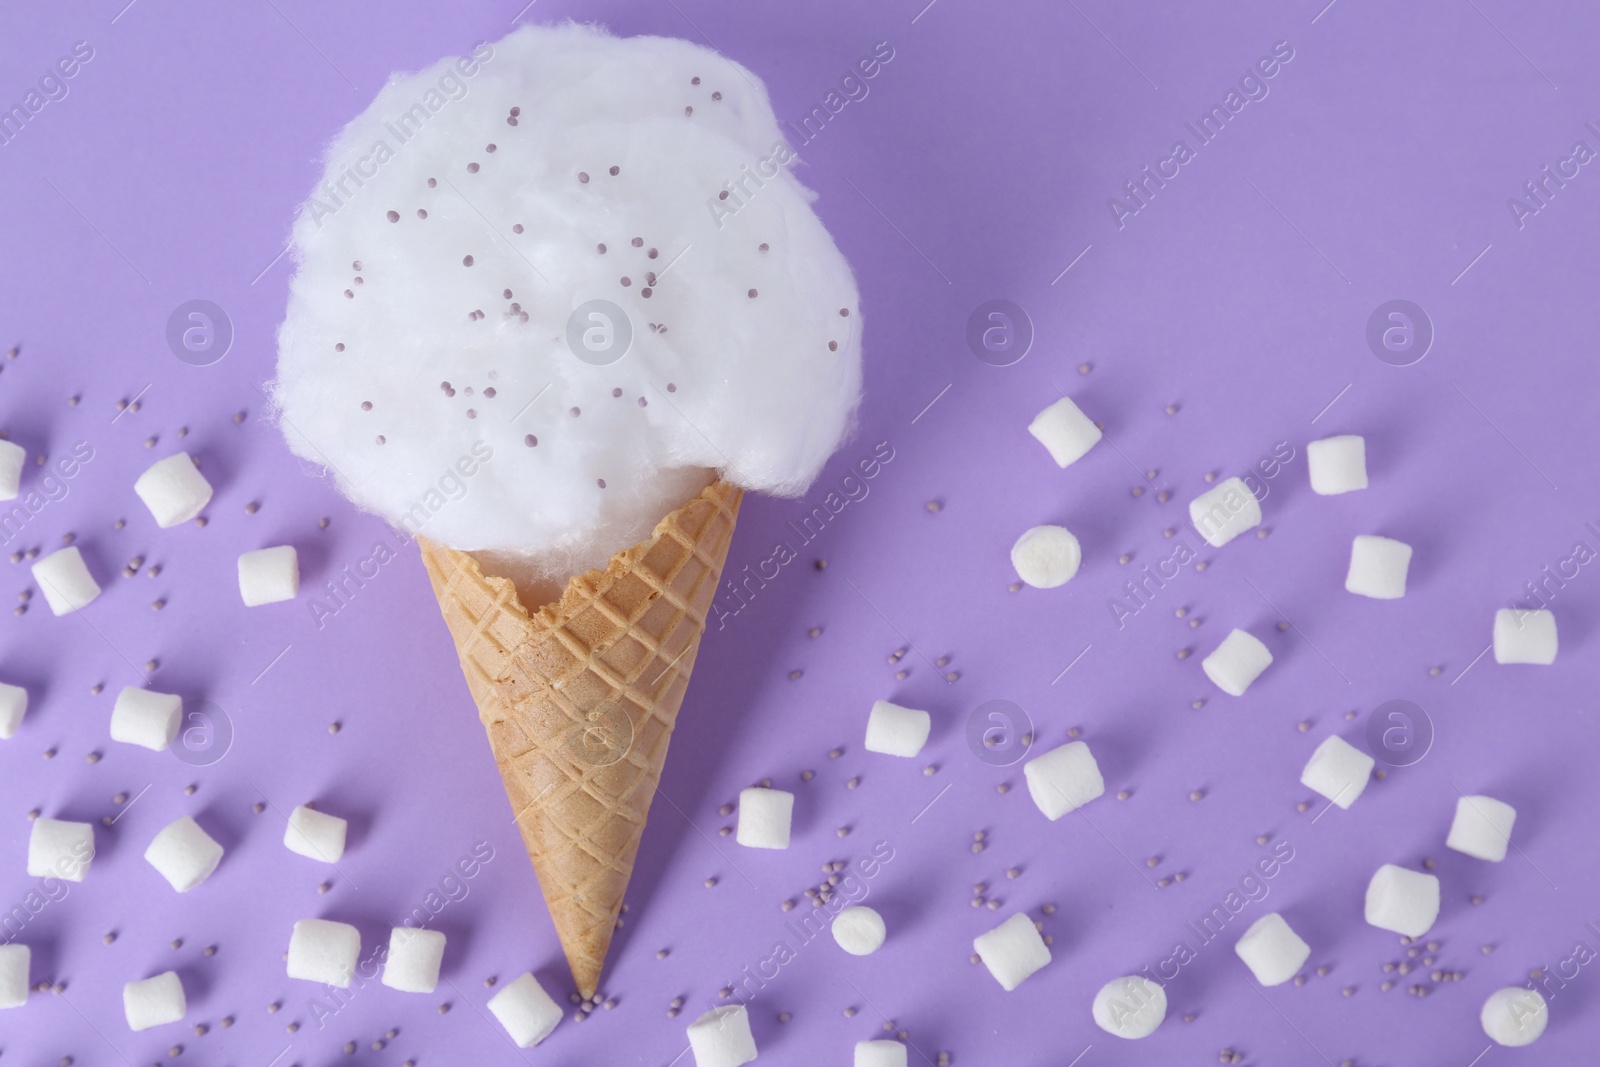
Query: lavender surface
[[977, 166]]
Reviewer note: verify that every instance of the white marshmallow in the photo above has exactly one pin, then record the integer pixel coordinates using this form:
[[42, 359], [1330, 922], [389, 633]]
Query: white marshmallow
[[412, 965], [1012, 951], [880, 1054], [315, 835], [173, 489], [324, 951], [184, 854], [13, 706], [721, 1037], [896, 731], [14, 960], [1063, 779], [764, 818], [60, 849], [269, 575], [1338, 770], [1237, 662], [154, 1001], [1046, 556], [12, 457], [1273, 952], [1131, 1007], [146, 718], [1225, 511], [1482, 828], [1066, 431], [1514, 1016], [859, 930], [1402, 901], [1378, 567], [1337, 464], [1524, 636], [525, 1010], [65, 580]]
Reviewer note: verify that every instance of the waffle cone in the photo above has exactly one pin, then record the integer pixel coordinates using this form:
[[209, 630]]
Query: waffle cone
[[579, 697]]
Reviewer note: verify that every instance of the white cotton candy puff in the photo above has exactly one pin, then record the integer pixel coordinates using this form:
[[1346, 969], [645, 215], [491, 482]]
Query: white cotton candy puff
[[446, 397]]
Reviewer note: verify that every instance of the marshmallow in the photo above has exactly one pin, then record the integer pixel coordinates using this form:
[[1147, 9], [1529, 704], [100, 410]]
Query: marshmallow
[[1012, 951], [1273, 952], [324, 951], [60, 849], [880, 1054], [859, 930], [14, 960], [1522, 636], [1224, 512], [13, 706], [721, 1037], [184, 854], [525, 1010], [1338, 770], [1066, 431], [1237, 662], [65, 581], [1337, 464], [897, 731], [1046, 556], [1378, 567], [269, 575], [12, 456], [315, 835], [145, 718], [1063, 779], [1130, 1007], [764, 817], [173, 489], [412, 965], [1402, 901], [154, 1001], [1514, 1016], [1482, 828]]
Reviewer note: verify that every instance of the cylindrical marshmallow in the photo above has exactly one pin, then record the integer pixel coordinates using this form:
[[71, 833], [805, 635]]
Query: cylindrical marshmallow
[[1338, 770], [1237, 662], [1482, 828], [13, 706], [269, 575], [880, 1054], [1224, 512], [1066, 431], [1046, 556], [184, 854], [764, 818], [1378, 567], [154, 1001], [1273, 952], [173, 489], [324, 951], [1337, 464], [65, 580], [1064, 779], [12, 456], [146, 718], [859, 930], [526, 1011], [721, 1037], [60, 849], [1131, 1007], [315, 835], [412, 965], [896, 731], [1514, 1016], [1402, 901], [14, 959], [1522, 636], [1012, 951]]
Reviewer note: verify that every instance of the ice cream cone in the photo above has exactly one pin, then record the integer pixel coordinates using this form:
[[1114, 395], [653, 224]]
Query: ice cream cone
[[579, 697]]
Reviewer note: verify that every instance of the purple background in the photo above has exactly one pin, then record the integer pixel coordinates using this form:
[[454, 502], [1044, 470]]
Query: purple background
[[978, 167]]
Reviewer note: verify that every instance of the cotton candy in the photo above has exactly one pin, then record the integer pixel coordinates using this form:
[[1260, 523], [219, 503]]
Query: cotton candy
[[442, 356]]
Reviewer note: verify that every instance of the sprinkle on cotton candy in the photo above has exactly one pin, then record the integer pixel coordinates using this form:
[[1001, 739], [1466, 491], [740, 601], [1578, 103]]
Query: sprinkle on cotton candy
[[442, 355]]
